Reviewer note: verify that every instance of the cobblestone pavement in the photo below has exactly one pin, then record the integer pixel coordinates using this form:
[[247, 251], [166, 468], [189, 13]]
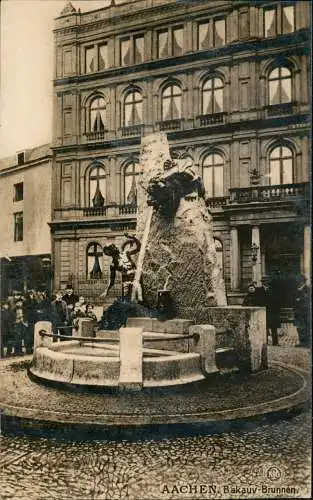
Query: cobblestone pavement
[[266, 461]]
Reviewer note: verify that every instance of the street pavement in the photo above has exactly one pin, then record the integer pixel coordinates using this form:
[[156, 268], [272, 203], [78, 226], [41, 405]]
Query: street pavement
[[265, 461]]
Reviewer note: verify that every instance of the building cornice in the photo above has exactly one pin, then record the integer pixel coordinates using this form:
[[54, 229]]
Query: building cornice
[[26, 165]]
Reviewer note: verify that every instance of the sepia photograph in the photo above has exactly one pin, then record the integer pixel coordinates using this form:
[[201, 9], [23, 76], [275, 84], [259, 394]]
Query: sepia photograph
[[155, 249]]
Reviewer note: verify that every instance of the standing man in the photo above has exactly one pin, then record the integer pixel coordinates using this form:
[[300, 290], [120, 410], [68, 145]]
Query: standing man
[[302, 301], [59, 315], [69, 296]]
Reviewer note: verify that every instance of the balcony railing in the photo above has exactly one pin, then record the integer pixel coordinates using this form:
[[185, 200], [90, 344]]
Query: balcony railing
[[283, 109], [218, 202], [95, 136], [269, 193], [127, 209], [132, 130], [212, 119], [170, 125], [93, 211]]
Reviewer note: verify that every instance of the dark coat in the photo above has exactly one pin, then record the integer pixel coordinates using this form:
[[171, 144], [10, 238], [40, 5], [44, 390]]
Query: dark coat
[[58, 313]]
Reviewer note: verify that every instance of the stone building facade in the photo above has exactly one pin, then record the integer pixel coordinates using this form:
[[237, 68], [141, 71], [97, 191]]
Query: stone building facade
[[228, 81], [25, 244]]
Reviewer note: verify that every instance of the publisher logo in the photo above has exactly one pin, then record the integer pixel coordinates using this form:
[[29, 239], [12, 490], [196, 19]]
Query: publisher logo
[[273, 473]]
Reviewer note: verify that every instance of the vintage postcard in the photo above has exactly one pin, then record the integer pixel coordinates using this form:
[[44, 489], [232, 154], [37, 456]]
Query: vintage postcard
[[155, 180]]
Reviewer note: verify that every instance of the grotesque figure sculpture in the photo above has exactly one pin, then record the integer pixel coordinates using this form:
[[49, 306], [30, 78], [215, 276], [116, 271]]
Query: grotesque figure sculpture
[[123, 262]]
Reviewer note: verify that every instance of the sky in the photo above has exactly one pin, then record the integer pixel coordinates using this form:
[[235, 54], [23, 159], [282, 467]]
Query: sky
[[27, 70]]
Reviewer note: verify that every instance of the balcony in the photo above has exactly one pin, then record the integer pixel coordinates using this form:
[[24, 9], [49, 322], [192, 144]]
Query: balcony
[[287, 108], [170, 125], [132, 130], [212, 119], [113, 211], [263, 194]]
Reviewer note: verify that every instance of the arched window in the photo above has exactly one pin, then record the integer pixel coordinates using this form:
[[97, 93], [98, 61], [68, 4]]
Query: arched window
[[279, 86], [219, 252], [130, 190], [133, 109], [213, 175], [212, 96], [97, 115], [281, 166], [94, 261], [171, 103], [97, 187]]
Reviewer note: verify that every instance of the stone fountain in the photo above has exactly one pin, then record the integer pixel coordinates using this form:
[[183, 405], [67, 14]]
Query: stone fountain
[[177, 259]]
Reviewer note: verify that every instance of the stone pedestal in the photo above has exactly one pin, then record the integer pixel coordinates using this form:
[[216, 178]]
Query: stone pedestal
[[205, 345], [85, 327], [40, 341], [130, 358]]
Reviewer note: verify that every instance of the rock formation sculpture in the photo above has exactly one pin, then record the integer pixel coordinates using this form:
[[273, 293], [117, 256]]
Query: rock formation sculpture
[[180, 253]]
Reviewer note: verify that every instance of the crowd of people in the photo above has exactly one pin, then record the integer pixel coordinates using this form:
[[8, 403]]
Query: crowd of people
[[269, 295], [20, 312]]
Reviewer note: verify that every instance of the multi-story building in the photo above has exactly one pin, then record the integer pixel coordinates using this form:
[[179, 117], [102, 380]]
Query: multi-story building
[[228, 82], [25, 244]]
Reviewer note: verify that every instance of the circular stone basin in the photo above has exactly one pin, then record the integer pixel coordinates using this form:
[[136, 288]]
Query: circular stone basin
[[220, 398], [98, 364]]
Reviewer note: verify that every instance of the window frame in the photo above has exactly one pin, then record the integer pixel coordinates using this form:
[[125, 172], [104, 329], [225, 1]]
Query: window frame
[[130, 104], [170, 97], [130, 164], [95, 47], [213, 78], [94, 245], [279, 79], [213, 167], [278, 9], [211, 32], [170, 41], [281, 159], [18, 195], [90, 109], [97, 178], [131, 38]]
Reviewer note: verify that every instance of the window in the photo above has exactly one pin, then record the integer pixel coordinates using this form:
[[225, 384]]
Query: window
[[96, 58], [219, 32], [132, 50], [103, 62], [281, 166], [219, 253], [18, 191], [213, 174], [20, 158], [133, 109], [170, 42], [18, 226], [270, 21], [171, 103], [130, 190], [212, 96], [271, 16], [279, 84], [212, 34], [97, 115], [288, 19], [97, 187], [203, 36], [94, 261]]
